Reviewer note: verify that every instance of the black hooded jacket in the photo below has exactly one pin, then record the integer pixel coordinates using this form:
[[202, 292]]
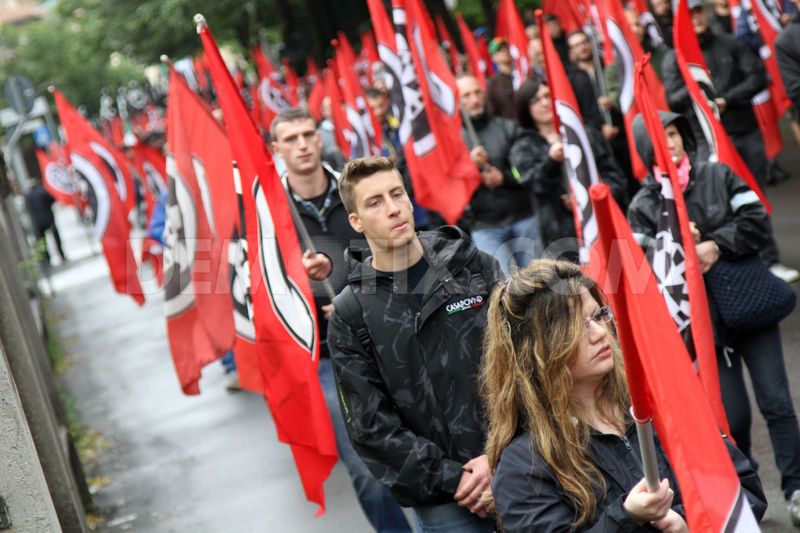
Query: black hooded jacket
[[410, 397], [529, 498], [508, 202], [722, 206], [546, 180], [738, 75]]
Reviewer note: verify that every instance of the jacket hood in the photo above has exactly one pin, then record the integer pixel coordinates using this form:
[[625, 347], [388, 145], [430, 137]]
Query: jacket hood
[[644, 144], [447, 249]]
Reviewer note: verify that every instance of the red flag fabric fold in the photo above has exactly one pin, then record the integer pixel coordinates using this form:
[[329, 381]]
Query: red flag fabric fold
[[681, 279], [197, 302], [510, 27], [449, 45], [284, 317], [477, 65], [662, 382], [94, 160]]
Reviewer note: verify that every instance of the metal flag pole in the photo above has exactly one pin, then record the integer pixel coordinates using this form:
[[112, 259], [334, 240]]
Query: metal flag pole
[[473, 137], [647, 447], [598, 74]]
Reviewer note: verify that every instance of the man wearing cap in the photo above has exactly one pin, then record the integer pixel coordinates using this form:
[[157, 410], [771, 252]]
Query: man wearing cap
[[500, 88]]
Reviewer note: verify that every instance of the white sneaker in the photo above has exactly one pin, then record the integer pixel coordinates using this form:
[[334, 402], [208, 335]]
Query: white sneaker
[[794, 508], [789, 275]]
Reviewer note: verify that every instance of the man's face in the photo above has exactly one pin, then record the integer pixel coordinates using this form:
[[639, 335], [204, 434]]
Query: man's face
[[675, 143], [699, 20], [299, 144], [580, 49], [379, 106], [662, 8], [502, 56], [553, 28], [633, 23], [473, 100], [383, 211]]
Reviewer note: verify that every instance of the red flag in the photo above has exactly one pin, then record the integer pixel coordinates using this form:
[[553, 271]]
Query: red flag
[[486, 58], [442, 173], [678, 268], [693, 68], [580, 165], [312, 70], [56, 178], [449, 45], [341, 126], [566, 12], [153, 253], [662, 382], [109, 215], [769, 26], [292, 81], [151, 165], [363, 131], [272, 97], [283, 307], [315, 97], [368, 44], [197, 303], [627, 52], [510, 27], [476, 63], [768, 117]]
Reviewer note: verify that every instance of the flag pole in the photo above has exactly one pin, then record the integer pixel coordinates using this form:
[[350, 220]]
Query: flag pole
[[598, 73], [301, 228], [647, 447], [473, 137]]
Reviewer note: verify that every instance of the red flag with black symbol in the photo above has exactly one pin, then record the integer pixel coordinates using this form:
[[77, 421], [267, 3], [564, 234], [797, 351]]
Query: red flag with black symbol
[[698, 81], [81, 133], [56, 178], [196, 300], [449, 45], [511, 28], [104, 186], [476, 63], [284, 317], [662, 382], [151, 166], [579, 158], [271, 95], [364, 133], [424, 91], [675, 261], [628, 51]]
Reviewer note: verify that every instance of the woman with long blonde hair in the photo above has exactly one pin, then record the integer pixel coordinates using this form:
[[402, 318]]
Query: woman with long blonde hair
[[561, 440]]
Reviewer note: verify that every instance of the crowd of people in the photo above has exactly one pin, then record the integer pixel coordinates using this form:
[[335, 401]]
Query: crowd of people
[[460, 383]]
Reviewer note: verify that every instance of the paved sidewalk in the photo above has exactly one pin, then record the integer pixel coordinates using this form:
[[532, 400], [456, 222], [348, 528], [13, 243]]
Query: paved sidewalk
[[174, 463]]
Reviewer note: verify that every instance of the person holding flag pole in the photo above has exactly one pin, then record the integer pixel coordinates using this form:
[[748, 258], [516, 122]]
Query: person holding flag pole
[[567, 452]]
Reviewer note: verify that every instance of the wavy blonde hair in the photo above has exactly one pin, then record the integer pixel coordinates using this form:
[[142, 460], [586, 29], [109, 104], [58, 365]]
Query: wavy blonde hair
[[535, 326]]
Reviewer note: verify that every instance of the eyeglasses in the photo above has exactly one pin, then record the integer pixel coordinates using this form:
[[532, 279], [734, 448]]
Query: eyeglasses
[[601, 317], [539, 99]]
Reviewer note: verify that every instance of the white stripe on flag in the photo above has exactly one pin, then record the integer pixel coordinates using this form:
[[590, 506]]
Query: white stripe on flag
[[741, 519]]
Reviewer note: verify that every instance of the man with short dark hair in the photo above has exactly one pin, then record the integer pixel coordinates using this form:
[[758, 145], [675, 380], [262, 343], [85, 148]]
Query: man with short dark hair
[[313, 187], [405, 337]]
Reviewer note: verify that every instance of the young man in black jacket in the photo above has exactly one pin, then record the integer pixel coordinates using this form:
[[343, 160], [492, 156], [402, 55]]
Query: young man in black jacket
[[406, 339], [314, 189]]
